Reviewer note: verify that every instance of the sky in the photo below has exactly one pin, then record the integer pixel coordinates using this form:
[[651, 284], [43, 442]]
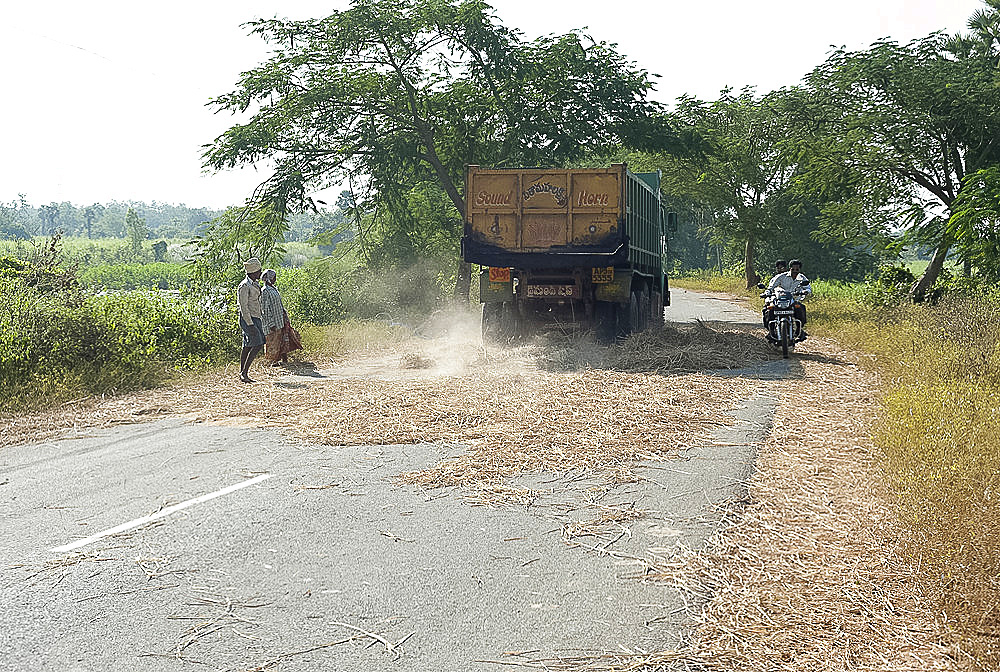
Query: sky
[[105, 100]]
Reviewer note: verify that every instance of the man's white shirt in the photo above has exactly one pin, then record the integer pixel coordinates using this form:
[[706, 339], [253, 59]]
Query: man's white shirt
[[789, 283]]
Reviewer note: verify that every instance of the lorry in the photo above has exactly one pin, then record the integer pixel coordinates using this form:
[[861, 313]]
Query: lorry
[[569, 248]]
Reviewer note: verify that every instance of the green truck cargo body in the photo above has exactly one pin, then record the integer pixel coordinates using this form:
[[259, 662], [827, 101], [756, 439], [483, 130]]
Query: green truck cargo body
[[578, 245]]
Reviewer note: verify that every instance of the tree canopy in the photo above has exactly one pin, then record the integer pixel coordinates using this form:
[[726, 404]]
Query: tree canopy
[[911, 121], [398, 96]]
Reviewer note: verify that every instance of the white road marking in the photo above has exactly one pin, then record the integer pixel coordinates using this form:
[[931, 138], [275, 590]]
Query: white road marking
[[159, 514]]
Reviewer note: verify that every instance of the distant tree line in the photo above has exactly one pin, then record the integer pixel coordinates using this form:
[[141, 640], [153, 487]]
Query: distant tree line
[[20, 220], [892, 147]]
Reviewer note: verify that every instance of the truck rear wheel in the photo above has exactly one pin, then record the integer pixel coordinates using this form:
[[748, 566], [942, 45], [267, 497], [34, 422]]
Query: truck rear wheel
[[606, 321], [634, 314], [499, 322], [645, 314], [657, 310]]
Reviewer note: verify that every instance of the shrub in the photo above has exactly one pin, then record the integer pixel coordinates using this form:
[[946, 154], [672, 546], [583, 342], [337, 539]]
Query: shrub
[[55, 349], [312, 294], [895, 278], [324, 292]]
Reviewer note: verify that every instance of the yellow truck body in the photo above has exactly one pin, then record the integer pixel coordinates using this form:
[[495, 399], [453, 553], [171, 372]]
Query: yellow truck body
[[571, 245]]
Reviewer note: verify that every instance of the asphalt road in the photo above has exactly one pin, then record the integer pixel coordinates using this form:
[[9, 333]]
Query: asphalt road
[[687, 306], [163, 545]]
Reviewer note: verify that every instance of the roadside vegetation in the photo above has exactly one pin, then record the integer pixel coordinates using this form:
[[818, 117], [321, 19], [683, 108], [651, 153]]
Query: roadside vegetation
[[936, 428], [69, 331], [937, 431]]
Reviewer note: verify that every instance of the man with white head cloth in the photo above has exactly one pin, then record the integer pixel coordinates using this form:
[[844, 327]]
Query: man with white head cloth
[[248, 298]]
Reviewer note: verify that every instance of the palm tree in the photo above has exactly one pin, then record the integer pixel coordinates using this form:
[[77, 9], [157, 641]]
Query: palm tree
[[983, 39]]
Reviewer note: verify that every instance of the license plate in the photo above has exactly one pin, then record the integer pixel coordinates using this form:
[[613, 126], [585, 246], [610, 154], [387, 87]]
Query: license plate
[[784, 312], [602, 275], [550, 291], [499, 274]]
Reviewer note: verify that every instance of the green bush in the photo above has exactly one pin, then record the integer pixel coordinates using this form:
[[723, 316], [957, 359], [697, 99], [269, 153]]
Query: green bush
[[52, 348], [312, 294], [324, 292], [896, 277], [11, 267]]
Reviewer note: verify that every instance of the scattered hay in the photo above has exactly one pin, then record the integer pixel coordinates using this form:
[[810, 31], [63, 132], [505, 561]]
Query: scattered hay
[[624, 660], [698, 347], [811, 578], [412, 360], [514, 417], [671, 349]]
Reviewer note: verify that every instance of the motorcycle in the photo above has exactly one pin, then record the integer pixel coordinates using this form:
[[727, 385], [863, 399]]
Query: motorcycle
[[784, 328]]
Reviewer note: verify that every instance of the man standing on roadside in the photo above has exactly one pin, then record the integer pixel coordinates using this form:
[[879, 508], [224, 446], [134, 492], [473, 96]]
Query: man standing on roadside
[[248, 298]]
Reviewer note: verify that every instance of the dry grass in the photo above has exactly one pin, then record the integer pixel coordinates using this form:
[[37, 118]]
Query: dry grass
[[813, 577], [936, 432]]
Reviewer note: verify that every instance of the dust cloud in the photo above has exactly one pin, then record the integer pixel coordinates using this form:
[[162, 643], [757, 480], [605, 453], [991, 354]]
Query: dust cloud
[[449, 344]]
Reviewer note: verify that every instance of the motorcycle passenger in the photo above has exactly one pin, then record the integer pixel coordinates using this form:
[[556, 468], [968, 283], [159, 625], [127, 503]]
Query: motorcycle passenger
[[792, 282], [779, 267]]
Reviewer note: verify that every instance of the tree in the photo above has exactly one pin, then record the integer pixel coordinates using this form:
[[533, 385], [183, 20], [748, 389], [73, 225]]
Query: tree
[[235, 236], [744, 169], [395, 94], [983, 39], [90, 214], [49, 214], [136, 229], [160, 250], [914, 118], [975, 220], [12, 220]]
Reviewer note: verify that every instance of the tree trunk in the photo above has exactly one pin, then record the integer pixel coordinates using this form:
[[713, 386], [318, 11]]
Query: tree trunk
[[463, 283], [919, 289], [752, 277]]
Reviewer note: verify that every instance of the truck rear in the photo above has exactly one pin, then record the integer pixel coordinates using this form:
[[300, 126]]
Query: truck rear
[[570, 248]]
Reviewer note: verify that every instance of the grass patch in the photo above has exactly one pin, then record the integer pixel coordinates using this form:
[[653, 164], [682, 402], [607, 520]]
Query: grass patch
[[938, 432], [707, 281], [351, 337]]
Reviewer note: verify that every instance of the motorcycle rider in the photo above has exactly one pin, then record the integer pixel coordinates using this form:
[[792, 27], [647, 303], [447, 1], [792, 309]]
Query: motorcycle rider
[[792, 282], [779, 267]]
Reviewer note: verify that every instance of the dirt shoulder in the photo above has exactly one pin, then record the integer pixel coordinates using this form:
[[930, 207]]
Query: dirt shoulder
[[810, 576]]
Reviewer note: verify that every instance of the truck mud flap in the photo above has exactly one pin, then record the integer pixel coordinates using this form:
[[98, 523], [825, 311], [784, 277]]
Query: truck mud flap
[[494, 292]]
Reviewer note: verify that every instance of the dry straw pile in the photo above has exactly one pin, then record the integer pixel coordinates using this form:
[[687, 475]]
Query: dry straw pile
[[601, 409]]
